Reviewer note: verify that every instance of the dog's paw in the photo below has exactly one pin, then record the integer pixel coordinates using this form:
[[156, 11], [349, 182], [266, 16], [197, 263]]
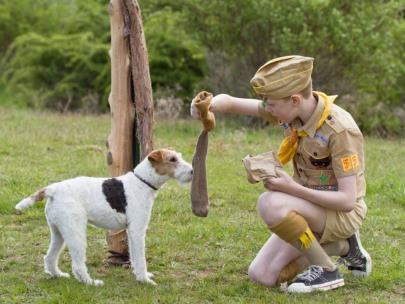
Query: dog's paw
[[63, 275], [58, 274], [146, 280], [97, 283], [150, 275], [150, 281]]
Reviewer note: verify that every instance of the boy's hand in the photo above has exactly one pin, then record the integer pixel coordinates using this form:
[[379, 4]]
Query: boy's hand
[[219, 103], [283, 183], [193, 110]]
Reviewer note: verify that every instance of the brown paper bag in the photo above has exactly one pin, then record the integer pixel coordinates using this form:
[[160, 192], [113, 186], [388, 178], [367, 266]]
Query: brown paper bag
[[261, 167]]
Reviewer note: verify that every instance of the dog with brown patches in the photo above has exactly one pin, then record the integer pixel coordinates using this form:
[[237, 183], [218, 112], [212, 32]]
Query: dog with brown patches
[[110, 203]]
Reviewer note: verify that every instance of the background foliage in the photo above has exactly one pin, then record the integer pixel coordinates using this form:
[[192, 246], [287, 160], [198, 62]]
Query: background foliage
[[54, 52]]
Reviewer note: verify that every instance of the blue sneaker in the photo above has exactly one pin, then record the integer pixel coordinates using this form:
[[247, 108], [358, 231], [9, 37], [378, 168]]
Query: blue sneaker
[[357, 259], [316, 278]]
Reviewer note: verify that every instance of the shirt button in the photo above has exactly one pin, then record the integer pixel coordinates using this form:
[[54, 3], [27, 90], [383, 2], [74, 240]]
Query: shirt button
[[329, 117], [298, 154], [300, 169], [315, 154]]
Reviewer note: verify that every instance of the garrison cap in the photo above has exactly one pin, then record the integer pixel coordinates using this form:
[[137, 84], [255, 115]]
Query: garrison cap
[[282, 77]]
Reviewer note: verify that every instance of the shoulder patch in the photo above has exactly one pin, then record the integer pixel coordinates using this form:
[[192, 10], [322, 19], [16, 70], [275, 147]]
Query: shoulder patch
[[113, 190], [350, 162]]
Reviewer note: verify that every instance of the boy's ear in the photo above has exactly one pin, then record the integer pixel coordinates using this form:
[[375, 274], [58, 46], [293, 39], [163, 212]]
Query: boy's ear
[[155, 156], [296, 99]]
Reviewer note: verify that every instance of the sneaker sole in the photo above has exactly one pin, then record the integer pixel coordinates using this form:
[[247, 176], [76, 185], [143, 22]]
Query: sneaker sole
[[301, 288], [359, 273]]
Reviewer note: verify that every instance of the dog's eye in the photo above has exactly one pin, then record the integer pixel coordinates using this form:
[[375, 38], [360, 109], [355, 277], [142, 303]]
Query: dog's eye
[[173, 159]]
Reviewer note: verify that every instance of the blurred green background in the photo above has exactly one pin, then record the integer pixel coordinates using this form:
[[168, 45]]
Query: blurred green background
[[54, 53]]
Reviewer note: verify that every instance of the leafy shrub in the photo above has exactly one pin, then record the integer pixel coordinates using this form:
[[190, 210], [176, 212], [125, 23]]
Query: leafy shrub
[[56, 54], [58, 72], [176, 61], [357, 45], [65, 65]]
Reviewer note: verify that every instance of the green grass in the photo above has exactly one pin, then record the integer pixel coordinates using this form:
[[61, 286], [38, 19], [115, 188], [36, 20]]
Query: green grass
[[195, 260]]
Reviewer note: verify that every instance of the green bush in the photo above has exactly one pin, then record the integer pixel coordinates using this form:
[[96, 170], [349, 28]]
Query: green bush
[[357, 45], [177, 62], [41, 16], [54, 52], [60, 72], [65, 66]]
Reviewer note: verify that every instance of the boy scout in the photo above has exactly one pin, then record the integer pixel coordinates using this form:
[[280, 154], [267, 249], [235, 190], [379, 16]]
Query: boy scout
[[318, 211]]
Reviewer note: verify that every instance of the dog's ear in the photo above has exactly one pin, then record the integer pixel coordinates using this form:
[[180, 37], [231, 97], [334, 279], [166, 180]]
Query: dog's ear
[[155, 156]]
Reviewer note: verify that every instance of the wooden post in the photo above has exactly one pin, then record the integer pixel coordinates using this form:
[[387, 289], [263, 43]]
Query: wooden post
[[130, 97], [140, 76], [119, 143], [131, 89]]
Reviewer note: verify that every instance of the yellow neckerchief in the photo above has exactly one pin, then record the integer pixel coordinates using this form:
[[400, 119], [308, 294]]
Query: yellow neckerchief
[[289, 145]]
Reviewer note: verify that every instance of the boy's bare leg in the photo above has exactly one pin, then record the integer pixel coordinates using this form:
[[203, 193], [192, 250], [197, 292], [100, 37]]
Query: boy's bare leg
[[294, 220], [276, 253], [271, 259]]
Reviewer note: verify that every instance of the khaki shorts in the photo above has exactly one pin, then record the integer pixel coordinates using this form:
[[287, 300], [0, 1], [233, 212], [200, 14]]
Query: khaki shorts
[[341, 225]]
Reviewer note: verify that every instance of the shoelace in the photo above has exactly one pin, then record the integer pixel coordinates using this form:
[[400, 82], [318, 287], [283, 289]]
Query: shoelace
[[312, 273]]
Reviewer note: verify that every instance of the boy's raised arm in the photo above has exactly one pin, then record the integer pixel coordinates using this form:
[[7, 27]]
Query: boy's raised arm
[[224, 103]]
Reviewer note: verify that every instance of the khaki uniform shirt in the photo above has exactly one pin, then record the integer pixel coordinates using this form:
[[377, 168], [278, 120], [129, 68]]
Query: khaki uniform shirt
[[333, 151]]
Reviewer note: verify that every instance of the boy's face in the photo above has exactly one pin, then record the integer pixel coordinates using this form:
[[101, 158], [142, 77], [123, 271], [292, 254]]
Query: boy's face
[[283, 109]]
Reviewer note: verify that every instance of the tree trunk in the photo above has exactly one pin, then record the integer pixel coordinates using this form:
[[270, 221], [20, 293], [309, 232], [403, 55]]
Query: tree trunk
[[119, 143], [131, 92], [131, 89], [140, 76]]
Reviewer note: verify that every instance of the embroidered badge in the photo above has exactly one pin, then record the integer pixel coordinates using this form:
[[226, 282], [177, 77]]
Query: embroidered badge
[[321, 138], [350, 162], [355, 161], [323, 179]]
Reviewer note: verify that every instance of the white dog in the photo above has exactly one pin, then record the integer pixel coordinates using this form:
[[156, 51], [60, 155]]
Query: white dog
[[111, 203]]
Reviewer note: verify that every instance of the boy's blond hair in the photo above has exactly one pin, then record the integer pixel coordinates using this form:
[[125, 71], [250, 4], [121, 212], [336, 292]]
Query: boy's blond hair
[[307, 91]]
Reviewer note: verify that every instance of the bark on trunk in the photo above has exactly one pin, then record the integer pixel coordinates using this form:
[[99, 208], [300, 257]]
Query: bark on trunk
[[140, 76], [119, 143], [131, 92], [131, 89]]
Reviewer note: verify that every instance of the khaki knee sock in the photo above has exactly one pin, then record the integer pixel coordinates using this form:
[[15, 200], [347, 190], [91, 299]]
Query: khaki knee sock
[[293, 268], [199, 191], [294, 229], [338, 248]]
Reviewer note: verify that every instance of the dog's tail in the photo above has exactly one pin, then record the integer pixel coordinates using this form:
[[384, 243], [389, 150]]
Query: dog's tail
[[31, 200]]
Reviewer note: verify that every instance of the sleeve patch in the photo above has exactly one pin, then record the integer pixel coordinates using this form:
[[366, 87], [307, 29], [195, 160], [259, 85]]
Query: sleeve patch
[[350, 162]]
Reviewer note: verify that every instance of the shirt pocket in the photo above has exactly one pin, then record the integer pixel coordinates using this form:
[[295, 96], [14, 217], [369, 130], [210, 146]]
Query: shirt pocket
[[320, 179], [316, 154]]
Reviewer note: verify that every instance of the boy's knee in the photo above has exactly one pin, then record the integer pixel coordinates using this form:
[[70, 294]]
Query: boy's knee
[[264, 203], [258, 276], [270, 207]]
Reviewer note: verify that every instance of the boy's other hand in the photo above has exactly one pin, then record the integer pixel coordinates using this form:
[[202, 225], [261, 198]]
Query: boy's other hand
[[283, 183]]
